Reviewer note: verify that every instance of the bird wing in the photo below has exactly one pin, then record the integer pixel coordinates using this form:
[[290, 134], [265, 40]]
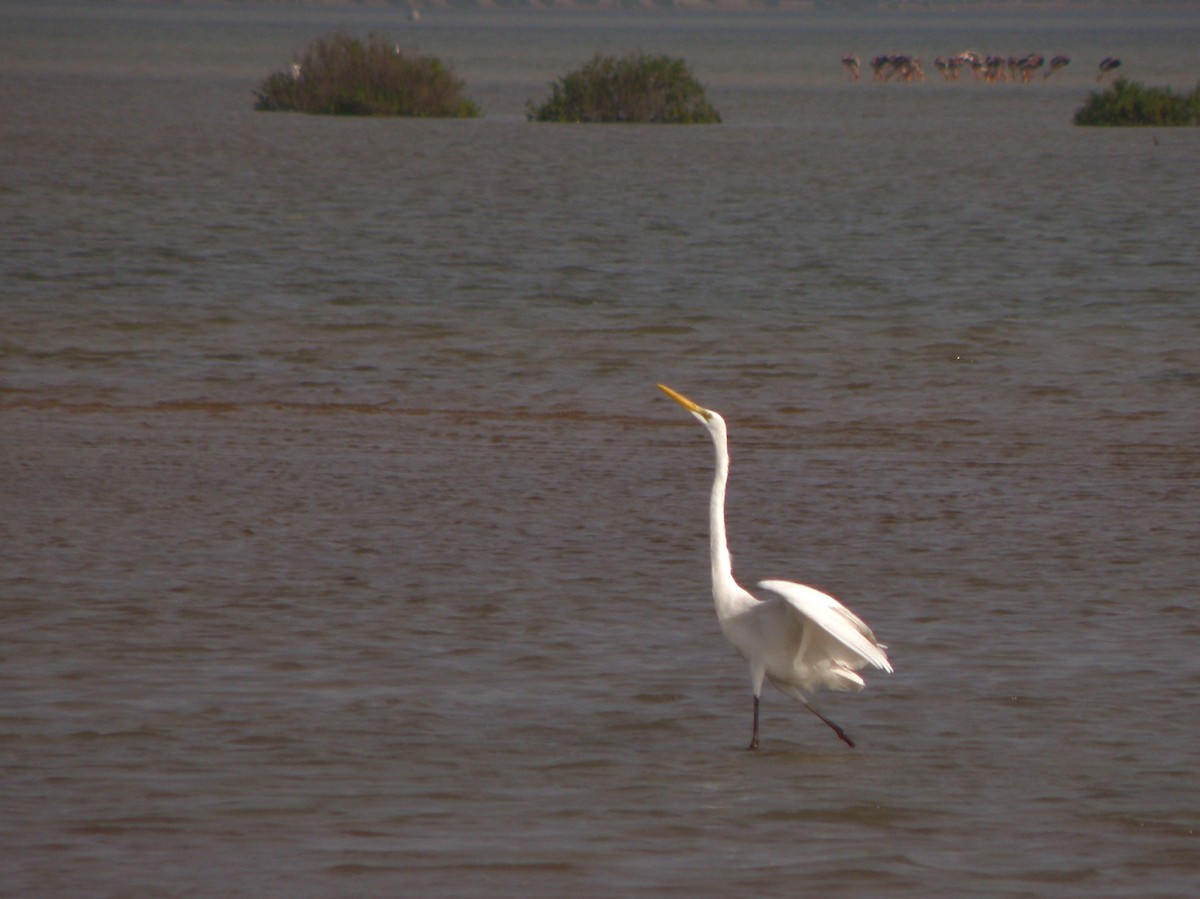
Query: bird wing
[[833, 618]]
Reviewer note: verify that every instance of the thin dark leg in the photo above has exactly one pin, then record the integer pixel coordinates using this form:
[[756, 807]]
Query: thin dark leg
[[754, 739], [842, 735]]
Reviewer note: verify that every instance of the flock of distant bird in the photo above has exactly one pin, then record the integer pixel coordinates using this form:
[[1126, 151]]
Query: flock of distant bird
[[888, 67]]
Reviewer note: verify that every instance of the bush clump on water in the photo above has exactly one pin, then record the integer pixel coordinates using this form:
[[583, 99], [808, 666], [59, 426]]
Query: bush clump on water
[[341, 75], [633, 88], [1129, 103]]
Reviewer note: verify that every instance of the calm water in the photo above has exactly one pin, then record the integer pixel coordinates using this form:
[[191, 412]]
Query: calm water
[[346, 547]]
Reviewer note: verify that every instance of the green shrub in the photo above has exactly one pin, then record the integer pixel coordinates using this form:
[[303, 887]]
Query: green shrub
[[1129, 103], [341, 75], [633, 88]]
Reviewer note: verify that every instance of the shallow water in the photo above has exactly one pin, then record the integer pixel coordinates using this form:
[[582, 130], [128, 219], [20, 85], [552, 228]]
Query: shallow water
[[349, 549]]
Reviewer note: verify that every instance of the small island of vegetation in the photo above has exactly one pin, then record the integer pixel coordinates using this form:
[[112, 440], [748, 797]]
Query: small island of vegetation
[[636, 87], [341, 75], [1129, 103]]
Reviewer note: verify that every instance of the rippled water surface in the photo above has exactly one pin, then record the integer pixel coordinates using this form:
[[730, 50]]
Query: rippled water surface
[[346, 547]]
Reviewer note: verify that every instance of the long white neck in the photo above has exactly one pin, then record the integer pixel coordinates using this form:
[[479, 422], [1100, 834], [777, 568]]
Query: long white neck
[[724, 586]]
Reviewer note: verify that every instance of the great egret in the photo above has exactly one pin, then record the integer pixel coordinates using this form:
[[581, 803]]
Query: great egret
[[799, 639]]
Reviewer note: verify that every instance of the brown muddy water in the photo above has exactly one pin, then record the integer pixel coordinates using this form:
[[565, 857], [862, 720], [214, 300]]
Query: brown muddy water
[[347, 548]]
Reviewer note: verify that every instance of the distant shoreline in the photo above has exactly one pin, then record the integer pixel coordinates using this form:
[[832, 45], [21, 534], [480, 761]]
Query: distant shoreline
[[824, 6]]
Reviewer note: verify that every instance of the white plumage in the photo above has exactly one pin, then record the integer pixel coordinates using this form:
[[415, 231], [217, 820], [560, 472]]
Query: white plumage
[[799, 639]]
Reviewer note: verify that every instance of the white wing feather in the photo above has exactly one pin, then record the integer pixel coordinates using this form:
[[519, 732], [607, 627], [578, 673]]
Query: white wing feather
[[834, 619]]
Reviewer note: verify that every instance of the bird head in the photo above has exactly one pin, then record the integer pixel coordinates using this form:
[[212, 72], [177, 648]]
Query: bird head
[[713, 422]]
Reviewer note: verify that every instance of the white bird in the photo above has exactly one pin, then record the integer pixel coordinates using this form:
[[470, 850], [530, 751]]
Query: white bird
[[799, 639]]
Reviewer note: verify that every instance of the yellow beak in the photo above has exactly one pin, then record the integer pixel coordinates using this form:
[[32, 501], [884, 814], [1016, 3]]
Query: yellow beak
[[685, 402]]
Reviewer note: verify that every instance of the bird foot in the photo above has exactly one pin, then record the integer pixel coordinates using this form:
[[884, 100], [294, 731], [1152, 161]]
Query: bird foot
[[842, 735]]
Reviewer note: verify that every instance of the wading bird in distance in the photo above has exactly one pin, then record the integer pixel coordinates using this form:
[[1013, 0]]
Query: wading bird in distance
[[1107, 65], [1028, 64], [1056, 63], [851, 64], [799, 639]]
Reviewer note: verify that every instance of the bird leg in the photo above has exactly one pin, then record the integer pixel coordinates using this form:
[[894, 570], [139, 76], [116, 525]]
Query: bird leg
[[754, 738], [842, 735]]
